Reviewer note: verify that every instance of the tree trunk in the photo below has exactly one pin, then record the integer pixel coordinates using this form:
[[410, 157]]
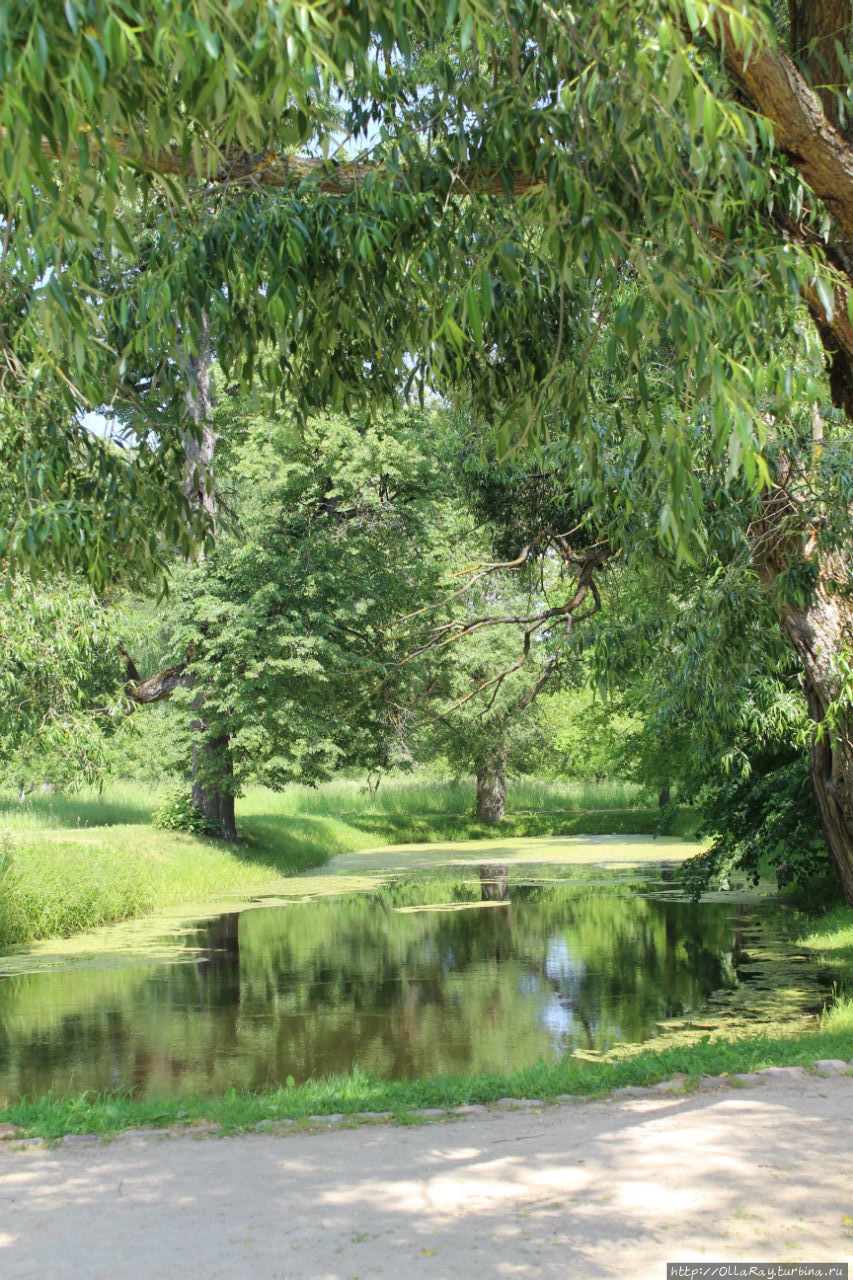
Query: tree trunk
[[200, 442], [821, 634], [831, 770], [664, 796], [491, 787], [213, 767], [213, 782], [494, 882]]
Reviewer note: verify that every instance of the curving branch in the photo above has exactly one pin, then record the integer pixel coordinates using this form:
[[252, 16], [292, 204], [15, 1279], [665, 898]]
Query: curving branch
[[585, 564], [156, 688]]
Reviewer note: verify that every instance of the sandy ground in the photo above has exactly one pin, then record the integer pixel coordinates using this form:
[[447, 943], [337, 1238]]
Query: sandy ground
[[601, 1189]]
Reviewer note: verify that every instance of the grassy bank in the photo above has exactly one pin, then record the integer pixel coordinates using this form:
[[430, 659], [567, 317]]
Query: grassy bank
[[73, 862], [105, 1113]]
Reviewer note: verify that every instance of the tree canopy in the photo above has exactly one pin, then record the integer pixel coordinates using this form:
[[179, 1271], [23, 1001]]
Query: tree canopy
[[521, 163]]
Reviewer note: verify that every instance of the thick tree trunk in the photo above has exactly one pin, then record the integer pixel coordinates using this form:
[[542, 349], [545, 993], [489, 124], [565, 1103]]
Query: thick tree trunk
[[213, 783], [491, 786], [821, 634], [831, 770]]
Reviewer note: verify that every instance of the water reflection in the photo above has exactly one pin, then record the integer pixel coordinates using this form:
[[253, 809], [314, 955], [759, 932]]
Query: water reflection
[[443, 972]]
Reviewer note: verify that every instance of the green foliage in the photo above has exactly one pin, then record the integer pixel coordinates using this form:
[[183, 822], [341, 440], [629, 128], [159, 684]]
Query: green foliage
[[638, 228], [762, 817], [175, 811], [60, 679], [585, 736], [7, 862], [148, 746], [330, 536]]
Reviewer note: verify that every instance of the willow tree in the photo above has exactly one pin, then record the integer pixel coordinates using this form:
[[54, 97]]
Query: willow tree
[[525, 159]]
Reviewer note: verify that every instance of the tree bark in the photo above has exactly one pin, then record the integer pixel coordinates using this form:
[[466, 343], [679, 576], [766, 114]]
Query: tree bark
[[491, 786], [831, 772], [213, 783], [213, 765], [821, 634], [820, 42], [200, 442]]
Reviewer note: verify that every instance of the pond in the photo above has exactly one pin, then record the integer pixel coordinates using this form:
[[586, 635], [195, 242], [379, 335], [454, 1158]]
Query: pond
[[413, 973]]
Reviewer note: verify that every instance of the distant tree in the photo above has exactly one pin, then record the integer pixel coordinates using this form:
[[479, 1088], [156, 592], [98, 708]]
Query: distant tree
[[327, 535], [482, 721]]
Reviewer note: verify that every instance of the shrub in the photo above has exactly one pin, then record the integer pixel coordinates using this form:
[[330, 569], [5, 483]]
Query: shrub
[[176, 812]]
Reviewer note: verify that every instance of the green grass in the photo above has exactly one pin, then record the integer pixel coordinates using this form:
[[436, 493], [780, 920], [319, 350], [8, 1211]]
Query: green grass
[[73, 862], [830, 942], [405, 794], [119, 803], [60, 882]]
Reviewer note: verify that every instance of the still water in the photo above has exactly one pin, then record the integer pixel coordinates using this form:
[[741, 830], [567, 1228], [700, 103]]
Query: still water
[[451, 969]]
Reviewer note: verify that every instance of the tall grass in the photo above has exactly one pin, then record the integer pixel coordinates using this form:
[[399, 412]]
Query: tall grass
[[123, 803], [398, 796], [60, 882], [119, 803]]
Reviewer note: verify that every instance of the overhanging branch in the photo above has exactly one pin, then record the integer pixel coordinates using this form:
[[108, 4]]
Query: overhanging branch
[[333, 177], [157, 688]]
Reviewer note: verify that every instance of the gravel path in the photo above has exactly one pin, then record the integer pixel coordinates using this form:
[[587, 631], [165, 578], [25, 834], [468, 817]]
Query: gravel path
[[588, 1190]]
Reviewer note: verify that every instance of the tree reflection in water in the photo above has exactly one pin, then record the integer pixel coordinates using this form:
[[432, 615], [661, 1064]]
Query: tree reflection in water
[[489, 968]]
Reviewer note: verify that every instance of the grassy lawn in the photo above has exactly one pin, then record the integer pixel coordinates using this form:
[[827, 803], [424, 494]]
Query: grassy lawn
[[73, 862]]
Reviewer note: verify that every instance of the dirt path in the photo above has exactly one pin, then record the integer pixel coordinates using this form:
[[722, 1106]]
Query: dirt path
[[604, 1189]]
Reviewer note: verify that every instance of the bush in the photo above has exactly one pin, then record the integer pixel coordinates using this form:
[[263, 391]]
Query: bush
[[176, 812], [762, 819]]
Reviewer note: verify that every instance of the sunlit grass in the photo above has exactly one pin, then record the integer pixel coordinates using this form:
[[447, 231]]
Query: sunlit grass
[[830, 941], [60, 882], [119, 803], [838, 1018], [403, 795]]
